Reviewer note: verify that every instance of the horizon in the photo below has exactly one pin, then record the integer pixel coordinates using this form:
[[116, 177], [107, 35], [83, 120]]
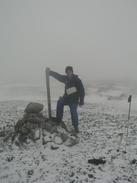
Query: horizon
[[98, 38]]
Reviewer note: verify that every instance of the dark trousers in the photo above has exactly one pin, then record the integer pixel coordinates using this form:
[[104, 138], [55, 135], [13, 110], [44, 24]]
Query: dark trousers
[[73, 111]]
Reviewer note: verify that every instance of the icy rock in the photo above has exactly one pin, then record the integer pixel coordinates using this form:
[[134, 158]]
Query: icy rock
[[47, 138], [30, 172], [2, 134], [72, 181], [28, 141], [44, 142], [44, 132], [10, 158], [90, 176], [50, 127], [72, 174], [58, 140], [71, 142], [64, 137], [37, 162], [54, 147], [1, 150], [43, 157], [37, 134], [134, 161]]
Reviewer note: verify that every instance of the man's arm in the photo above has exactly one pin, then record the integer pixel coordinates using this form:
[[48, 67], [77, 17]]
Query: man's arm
[[81, 91], [59, 77]]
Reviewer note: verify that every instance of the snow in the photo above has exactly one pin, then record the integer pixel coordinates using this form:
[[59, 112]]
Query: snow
[[100, 133], [103, 134]]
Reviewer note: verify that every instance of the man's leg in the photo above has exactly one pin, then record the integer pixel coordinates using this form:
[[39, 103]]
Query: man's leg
[[60, 110], [74, 115]]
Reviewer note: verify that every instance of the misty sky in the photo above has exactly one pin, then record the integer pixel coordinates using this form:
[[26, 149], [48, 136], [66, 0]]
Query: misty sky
[[97, 37]]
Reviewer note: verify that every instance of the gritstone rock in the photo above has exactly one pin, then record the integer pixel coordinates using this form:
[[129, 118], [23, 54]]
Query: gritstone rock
[[34, 108]]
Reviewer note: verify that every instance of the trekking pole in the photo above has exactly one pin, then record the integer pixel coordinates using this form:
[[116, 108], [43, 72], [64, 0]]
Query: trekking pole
[[129, 112], [129, 101], [48, 91]]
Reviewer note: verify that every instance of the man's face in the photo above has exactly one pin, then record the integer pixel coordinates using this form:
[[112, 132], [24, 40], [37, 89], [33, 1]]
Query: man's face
[[69, 73]]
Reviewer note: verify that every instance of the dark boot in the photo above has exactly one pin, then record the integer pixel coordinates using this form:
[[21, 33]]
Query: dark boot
[[76, 130], [54, 119]]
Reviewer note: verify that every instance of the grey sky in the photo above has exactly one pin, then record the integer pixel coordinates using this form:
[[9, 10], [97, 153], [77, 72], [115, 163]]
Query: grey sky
[[97, 37]]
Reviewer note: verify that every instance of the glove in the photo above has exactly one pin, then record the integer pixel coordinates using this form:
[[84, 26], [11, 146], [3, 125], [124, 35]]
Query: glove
[[81, 103], [50, 72]]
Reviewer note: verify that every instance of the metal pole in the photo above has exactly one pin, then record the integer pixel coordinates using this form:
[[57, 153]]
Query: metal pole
[[129, 101], [129, 112], [48, 91]]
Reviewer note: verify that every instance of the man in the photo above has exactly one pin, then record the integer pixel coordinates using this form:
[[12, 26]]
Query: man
[[74, 95]]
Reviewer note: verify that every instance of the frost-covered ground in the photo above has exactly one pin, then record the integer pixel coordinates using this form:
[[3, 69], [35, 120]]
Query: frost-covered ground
[[102, 134]]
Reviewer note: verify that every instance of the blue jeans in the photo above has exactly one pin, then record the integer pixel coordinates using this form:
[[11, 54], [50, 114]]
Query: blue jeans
[[73, 111]]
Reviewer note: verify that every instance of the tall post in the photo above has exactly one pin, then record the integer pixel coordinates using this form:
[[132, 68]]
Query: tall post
[[129, 101], [48, 91]]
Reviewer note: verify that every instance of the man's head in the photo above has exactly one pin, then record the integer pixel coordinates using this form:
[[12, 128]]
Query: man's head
[[69, 71]]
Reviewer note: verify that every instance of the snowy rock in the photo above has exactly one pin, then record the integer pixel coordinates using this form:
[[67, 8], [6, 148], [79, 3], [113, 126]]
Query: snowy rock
[[37, 134], [71, 142], [58, 140], [10, 158], [53, 147], [134, 161], [96, 161], [30, 172]]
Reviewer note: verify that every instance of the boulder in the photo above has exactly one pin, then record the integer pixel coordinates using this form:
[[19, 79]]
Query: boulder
[[34, 108]]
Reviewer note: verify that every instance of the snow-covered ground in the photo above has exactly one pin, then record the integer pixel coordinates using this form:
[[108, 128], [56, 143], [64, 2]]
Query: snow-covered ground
[[103, 134]]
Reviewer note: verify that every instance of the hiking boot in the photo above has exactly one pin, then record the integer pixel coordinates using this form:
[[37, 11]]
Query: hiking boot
[[54, 119], [76, 130]]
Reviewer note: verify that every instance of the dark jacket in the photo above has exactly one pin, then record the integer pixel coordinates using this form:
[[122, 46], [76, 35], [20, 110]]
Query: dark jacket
[[74, 90]]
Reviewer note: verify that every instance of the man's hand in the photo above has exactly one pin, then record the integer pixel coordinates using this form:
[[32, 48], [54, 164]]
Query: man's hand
[[81, 103]]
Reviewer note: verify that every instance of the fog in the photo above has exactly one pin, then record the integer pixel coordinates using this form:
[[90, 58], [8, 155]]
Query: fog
[[97, 37]]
